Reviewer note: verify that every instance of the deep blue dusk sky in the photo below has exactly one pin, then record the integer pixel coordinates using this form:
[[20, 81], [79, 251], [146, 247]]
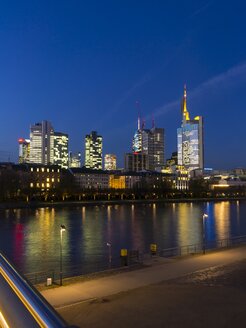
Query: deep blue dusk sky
[[83, 65]]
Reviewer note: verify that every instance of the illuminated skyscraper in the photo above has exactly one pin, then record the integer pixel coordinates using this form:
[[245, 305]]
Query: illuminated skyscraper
[[153, 146], [190, 139], [42, 143], [24, 150], [137, 139], [150, 142], [110, 162], [93, 151], [61, 149]]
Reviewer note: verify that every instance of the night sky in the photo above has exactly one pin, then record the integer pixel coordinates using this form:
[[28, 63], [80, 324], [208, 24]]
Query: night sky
[[83, 65]]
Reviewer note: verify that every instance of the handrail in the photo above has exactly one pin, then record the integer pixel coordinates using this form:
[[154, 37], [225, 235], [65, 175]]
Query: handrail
[[38, 309], [197, 248]]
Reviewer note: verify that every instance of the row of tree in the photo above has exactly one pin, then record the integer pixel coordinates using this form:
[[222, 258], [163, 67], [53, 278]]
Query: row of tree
[[16, 187]]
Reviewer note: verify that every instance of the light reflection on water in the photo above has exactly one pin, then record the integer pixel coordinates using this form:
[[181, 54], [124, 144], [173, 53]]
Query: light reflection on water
[[31, 238]]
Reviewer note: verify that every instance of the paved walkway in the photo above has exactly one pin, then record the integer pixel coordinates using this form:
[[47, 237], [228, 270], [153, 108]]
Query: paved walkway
[[159, 269]]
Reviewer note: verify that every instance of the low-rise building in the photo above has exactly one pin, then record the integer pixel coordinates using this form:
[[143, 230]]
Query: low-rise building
[[90, 179]]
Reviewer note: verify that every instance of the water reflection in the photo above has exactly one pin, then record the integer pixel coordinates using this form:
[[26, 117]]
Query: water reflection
[[31, 238], [222, 219]]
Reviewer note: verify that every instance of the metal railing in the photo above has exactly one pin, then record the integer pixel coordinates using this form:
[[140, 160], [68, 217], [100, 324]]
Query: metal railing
[[21, 305], [116, 264], [199, 248]]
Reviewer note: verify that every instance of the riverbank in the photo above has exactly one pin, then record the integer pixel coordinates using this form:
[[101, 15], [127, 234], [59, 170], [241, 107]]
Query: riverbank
[[198, 291], [39, 204]]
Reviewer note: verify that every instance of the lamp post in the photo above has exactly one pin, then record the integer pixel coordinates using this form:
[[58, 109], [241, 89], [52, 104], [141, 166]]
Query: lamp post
[[62, 229], [109, 254], [204, 216]]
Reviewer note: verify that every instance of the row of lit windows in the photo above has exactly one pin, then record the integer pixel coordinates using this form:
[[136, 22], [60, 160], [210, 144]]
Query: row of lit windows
[[42, 169], [40, 185]]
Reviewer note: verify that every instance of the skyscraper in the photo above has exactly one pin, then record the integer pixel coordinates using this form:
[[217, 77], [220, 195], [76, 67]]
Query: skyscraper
[[110, 162], [190, 139], [93, 151], [24, 150], [135, 162], [137, 139], [153, 146], [42, 143], [61, 149], [150, 142]]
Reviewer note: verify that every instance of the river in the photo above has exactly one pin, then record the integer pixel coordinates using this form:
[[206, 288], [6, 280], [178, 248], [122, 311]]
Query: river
[[31, 237]]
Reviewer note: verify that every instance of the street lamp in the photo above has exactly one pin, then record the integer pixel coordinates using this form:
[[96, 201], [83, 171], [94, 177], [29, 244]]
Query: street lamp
[[62, 229], [109, 254], [204, 216]]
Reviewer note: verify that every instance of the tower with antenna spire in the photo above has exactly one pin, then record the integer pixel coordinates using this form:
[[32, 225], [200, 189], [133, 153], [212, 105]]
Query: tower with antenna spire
[[190, 139], [185, 113], [149, 143]]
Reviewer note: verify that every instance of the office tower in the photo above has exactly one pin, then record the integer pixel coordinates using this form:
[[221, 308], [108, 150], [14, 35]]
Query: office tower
[[61, 149], [110, 162], [157, 157], [190, 139], [42, 143], [24, 150], [151, 143], [137, 139], [93, 151], [136, 162], [74, 159], [153, 146]]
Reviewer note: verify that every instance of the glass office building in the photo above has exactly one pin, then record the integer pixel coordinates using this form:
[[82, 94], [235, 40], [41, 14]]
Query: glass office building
[[190, 140], [61, 149], [93, 151]]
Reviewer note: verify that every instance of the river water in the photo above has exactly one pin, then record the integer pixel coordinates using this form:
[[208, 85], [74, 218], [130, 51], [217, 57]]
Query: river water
[[31, 237]]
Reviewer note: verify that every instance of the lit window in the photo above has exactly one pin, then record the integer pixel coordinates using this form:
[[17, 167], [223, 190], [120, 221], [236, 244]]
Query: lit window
[[37, 184], [48, 170], [47, 185], [31, 169], [48, 179], [42, 169], [31, 185], [42, 185], [37, 169]]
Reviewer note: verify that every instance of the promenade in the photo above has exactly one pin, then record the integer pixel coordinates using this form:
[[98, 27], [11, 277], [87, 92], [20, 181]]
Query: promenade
[[73, 299]]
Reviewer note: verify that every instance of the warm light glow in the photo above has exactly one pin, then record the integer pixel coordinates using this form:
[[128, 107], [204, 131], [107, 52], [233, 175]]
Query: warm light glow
[[3, 322], [222, 219], [117, 182]]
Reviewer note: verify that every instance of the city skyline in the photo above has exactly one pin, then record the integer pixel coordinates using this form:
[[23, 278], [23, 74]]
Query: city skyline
[[85, 70]]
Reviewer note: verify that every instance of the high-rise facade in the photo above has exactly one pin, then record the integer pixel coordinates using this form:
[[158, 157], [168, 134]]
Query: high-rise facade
[[135, 162], [150, 142], [93, 151], [24, 150], [137, 139], [110, 162], [153, 146], [190, 139], [74, 159], [42, 143], [61, 149]]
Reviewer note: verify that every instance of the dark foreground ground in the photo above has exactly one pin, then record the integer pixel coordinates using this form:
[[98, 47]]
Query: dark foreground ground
[[213, 297]]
